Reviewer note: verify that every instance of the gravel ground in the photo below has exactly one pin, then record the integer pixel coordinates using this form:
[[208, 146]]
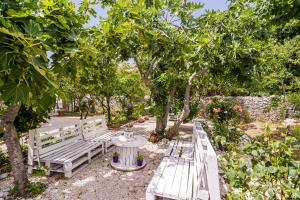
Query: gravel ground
[[98, 181]]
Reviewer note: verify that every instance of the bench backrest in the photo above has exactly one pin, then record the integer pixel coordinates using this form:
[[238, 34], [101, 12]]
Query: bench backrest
[[205, 165], [45, 141], [94, 126], [199, 182]]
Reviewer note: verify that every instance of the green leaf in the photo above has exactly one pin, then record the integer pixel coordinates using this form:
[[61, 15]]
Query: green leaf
[[62, 21], [14, 34], [32, 28], [17, 14], [48, 3]]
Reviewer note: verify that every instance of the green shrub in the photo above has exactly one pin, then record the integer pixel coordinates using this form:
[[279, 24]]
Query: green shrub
[[225, 115], [139, 110], [296, 131], [245, 117], [276, 101], [118, 119], [295, 100], [40, 171], [222, 111], [32, 189], [264, 167], [35, 189]]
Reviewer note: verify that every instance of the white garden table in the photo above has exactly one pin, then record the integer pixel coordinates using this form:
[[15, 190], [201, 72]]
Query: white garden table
[[127, 147]]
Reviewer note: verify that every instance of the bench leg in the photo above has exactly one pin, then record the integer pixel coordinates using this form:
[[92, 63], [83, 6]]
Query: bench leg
[[29, 169], [150, 196], [105, 147], [68, 169], [48, 166], [89, 157]]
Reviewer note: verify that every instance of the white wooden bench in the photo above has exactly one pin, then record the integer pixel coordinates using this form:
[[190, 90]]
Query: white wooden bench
[[97, 131], [61, 150], [193, 176]]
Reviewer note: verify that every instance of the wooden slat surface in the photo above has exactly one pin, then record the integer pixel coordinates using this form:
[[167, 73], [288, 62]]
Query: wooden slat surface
[[175, 147], [178, 178], [70, 152], [73, 154], [183, 192], [172, 179], [157, 175], [61, 149], [192, 176], [170, 147]]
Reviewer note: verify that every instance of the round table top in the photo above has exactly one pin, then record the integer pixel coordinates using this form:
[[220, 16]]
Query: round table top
[[135, 141]]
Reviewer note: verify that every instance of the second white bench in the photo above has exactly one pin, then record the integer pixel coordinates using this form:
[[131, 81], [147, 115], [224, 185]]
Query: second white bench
[[193, 176]]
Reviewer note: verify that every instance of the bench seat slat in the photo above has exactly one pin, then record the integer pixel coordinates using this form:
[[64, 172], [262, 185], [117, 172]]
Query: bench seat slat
[[170, 179], [165, 175], [66, 151], [183, 192], [173, 182], [176, 149], [53, 151], [170, 147], [157, 175], [71, 156], [178, 176], [63, 150], [83, 149]]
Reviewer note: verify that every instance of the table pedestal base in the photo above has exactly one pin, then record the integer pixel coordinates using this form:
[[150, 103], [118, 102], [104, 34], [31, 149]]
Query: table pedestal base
[[126, 168]]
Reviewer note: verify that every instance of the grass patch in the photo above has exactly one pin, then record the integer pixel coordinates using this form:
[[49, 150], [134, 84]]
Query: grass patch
[[41, 171], [32, 189]]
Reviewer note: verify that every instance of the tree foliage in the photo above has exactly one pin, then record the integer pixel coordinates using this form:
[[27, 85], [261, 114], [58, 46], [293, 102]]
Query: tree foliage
[[28, 30]]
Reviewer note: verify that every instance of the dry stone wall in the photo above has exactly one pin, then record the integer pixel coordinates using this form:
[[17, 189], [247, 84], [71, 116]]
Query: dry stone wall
[[258, 108]]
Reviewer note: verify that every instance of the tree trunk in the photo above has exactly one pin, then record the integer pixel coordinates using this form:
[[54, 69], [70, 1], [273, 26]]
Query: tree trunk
[[286, 107], [86, 113], [285, 100], [186, 106], [161, 122], [159, 126], [108, 110], [11, 140]]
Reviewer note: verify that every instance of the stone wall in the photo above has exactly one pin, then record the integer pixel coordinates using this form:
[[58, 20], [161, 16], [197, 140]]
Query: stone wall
[[258, 107]]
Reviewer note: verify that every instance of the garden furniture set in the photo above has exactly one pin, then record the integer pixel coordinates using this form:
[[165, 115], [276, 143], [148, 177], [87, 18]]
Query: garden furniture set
[[188, 170]]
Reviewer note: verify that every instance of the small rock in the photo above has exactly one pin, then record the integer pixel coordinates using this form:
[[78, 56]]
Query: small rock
[[132, 190], [6, 190]]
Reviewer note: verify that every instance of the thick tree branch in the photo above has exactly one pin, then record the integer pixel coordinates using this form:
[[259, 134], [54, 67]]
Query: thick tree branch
[[146, 75], [141, 71], [170, 101], [186, 107], [152, 66]]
